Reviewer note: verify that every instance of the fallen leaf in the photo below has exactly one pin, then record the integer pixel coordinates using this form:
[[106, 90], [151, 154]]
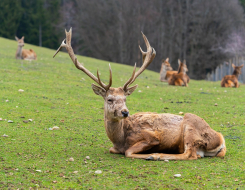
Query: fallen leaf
[[38, 170], [75, 172], [198, 177], [10, 121], [216, 104], [20, 90], [181, 113], [4, 135]]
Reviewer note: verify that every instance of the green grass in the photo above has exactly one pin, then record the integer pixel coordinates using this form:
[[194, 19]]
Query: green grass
[[57, 94]]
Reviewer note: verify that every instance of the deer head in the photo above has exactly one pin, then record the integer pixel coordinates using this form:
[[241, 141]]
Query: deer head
[[167, 64], [237, 69], [20, 41], [182, 66], [114, 98]]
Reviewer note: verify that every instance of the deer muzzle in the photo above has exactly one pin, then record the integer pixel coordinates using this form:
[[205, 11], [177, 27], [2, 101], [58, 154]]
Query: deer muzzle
[[125, 113]]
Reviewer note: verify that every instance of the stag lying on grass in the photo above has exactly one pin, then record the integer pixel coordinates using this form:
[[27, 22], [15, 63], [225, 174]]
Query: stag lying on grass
[[232, 80], [181, 78], [166, 70], [26, 54], [148, 135]]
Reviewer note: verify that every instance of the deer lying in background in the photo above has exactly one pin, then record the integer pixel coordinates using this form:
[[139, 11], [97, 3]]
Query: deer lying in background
[[148, 135], [181, 78], [26, 54], [166, 70], [232, 80]]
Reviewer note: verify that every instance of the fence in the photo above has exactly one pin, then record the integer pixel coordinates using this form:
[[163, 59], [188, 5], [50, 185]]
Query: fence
[[226, 69]]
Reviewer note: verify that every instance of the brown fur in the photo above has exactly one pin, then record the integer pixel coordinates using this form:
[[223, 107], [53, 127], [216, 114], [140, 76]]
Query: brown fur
[[142, 135], [24, 53], [169, 74], [181, 78], [232, 80], [148, 135], [166, 70]]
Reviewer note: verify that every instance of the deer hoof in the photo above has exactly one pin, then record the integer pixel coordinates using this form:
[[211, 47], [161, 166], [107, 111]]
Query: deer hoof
[[150, 158]]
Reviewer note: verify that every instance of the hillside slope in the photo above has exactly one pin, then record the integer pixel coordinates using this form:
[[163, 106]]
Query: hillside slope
[[57, 94]]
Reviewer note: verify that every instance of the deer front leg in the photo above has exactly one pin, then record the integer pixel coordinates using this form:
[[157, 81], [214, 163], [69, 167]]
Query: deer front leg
[[187, 155], [137, 148], [236, 84], [113, 150]]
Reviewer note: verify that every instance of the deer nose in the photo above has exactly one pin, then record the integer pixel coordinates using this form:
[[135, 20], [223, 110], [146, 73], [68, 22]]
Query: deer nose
[[125, 113]]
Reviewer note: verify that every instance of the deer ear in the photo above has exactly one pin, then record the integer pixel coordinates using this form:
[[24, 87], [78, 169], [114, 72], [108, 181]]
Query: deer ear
[[98, 90], [184, 61], [16, 38], [233, 65], [167, 59], [130, 90], [242, 65], [179, 62]]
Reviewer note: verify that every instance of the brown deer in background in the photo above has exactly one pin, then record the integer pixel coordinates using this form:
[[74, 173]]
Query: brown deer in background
[[148, 135], [26, 54], [181, 78], [232, 80], [166, 70]]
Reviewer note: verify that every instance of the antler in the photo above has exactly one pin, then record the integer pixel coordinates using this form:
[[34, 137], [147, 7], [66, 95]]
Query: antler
[[147, 58], [70, 51]]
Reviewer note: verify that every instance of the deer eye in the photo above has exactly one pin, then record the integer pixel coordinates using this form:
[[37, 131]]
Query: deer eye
[[110, 100]]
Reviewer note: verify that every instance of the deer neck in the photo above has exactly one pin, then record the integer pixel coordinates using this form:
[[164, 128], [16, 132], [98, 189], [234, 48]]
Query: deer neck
[[169, 68], [19, 52], [114, 130], [236, 73]]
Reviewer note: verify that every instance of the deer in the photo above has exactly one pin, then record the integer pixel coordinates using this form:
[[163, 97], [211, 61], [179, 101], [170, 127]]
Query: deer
[[181, 78], [26, 54], [166, 70], [232, 80], [148, 135]]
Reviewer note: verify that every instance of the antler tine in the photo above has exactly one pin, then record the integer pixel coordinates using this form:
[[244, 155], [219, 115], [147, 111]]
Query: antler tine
[[106, 87], [129, 80], [147, 57], [78, 65], [61, 46], [143, 54]]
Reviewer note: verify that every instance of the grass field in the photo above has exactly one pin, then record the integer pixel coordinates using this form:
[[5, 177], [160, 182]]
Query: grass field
[[57, 94]]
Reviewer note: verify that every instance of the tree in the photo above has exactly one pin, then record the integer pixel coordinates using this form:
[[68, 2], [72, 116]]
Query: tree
[[10, 16], [32, 19]]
